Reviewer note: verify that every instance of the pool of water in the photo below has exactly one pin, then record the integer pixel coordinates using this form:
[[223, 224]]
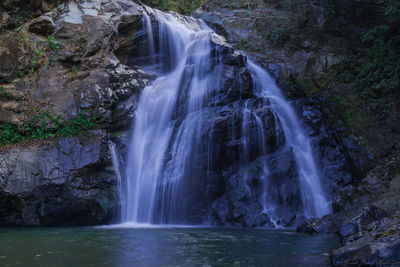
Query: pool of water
[[116, 246]]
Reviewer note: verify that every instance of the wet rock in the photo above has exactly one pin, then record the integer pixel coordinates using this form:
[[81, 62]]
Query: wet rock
[[68, 182], [329, 224], [43, 25], [234, 60], [360, 220], [344, 198], [347, 223], [123, 112], [380, 246]]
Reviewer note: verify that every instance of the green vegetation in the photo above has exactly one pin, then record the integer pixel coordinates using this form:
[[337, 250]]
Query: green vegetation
[[180, 6], [37, 53], [42, 126], [75, 72], [53, 43], [281, 35], [242, 45], [373, 68]]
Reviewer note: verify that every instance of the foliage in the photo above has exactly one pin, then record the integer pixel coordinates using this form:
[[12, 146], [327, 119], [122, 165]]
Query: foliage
[[37, 53], [281, 35], [374, 67], [51, 40], [43, 125], [243, 45], [75, 72], [180, 6]]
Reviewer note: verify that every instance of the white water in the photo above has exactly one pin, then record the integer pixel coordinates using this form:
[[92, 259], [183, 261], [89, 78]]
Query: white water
[[170, 119], [117, 169], [314, 201]]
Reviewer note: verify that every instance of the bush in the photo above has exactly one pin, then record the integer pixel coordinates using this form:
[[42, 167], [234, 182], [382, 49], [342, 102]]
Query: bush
[[42, 126]]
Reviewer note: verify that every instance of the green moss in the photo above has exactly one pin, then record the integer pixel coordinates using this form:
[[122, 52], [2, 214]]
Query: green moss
[[43, 125]]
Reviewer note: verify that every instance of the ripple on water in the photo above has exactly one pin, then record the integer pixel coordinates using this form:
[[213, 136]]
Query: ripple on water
[[145, 245]]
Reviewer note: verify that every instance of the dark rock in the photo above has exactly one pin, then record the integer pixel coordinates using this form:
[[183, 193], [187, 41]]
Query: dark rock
[[123, 112], [9, 53], [43, 25], [329, 224], [344, 198], [68, 182], [360, 220], [348, 229], [380, 246], [234, 60]]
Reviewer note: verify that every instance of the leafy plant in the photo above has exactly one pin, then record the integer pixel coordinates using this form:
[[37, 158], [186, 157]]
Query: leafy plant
[[53, 43], [43, 125], [75, 72]]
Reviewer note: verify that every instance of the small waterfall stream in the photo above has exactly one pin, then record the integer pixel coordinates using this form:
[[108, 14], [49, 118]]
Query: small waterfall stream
[[172, 152]]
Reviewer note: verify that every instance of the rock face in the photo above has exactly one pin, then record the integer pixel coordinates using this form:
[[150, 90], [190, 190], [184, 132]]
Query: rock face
[[69, 181], [367, 218], [75, 70], [63, 62], [379, 245]]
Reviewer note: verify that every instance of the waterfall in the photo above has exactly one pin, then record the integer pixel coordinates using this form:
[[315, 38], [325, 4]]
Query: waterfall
[[174, 168], [117, 169], [312, 194]]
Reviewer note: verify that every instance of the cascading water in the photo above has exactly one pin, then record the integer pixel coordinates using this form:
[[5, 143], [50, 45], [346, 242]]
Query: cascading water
[[117, 169], [180, 153], [313, 197]]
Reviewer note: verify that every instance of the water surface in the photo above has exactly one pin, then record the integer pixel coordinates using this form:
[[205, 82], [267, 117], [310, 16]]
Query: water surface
[[161, 247]]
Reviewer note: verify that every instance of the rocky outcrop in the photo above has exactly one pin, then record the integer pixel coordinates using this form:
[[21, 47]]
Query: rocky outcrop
[[378, 245], [63, 62], [73, 71], [68, 181], [367, 218]]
